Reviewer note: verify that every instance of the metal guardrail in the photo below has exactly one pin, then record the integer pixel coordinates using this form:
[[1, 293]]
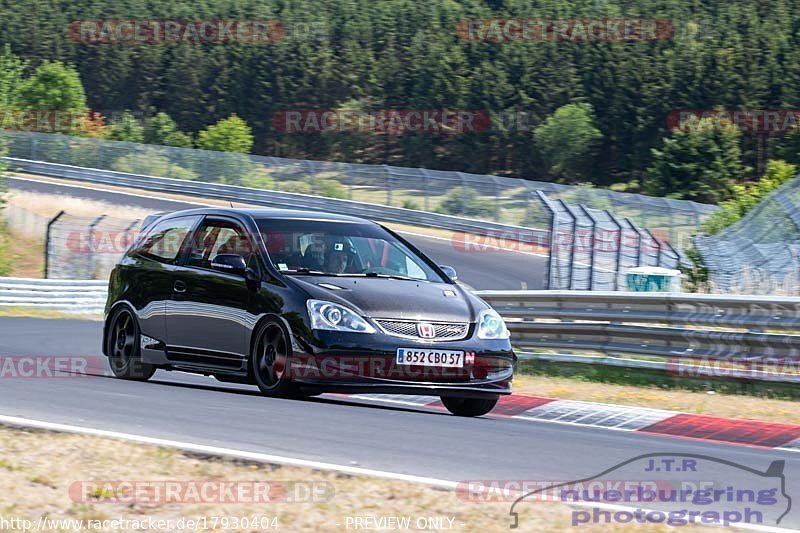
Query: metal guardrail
[[235, 193], [751, 331], [678, 329], [71, 296]]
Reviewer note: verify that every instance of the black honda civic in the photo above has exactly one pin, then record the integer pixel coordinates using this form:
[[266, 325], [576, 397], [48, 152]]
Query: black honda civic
[[300, 303]]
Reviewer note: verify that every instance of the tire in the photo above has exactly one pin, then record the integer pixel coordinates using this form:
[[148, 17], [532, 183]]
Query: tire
[[469, 406], [269, 361], [123, 348]]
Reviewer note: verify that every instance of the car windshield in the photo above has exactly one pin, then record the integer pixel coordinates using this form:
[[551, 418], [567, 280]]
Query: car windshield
[[340, 248]]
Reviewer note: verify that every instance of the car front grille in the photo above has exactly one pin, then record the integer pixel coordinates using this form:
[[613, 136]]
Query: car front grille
[[445, 331]]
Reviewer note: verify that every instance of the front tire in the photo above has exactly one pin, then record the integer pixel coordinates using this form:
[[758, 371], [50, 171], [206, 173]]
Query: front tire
[[469, 406], [270, 361], [123, 348]]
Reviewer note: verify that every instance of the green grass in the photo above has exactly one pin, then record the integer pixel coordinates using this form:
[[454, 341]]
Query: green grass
[[641, 377]]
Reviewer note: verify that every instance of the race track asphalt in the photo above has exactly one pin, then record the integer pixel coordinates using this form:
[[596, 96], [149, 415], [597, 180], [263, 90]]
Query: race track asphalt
[[418, 441]]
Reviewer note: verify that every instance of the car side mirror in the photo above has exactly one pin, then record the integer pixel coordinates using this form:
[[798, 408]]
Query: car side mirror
[[229, 263], [449, 271]]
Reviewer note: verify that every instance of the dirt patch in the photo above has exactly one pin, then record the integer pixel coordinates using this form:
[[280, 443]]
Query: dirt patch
[[56, 476]]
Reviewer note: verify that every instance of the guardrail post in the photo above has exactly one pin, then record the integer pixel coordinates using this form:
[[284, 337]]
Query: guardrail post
[[47, 242], [90, 252]]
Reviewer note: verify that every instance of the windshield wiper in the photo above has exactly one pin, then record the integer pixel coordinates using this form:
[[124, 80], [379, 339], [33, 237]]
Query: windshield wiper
[[389, 276], [304, 270]]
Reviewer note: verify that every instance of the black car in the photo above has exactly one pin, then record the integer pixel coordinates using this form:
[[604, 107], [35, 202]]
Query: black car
[[300, 303]]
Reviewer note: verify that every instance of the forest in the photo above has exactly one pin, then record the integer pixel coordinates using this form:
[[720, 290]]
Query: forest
[[571, 109]]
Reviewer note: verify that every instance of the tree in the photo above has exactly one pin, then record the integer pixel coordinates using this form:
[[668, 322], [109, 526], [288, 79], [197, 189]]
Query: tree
[[12, 68], [161, 129], [748, 195], [53, 86], [126, 128], [702, 163], [566, 141], [228, 135]]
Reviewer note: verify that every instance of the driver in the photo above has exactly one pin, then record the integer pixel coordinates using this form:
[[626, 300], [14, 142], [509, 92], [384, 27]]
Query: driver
[[336, 262]]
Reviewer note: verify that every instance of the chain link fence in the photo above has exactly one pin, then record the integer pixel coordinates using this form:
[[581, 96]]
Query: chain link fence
[[499, 199], [588, 249], [760, 254], [85, 247]]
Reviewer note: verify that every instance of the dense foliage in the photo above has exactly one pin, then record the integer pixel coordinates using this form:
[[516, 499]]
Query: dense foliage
[[406, 54]]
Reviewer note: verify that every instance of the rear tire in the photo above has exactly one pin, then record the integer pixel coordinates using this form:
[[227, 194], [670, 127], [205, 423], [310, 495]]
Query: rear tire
[[123, 348], [469, 406], [270, 361]]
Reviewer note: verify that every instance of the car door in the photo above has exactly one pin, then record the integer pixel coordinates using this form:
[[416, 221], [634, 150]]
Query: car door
[[150, 267], [208, 323]]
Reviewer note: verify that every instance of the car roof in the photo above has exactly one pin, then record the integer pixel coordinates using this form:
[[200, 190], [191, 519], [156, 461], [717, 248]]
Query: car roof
[[270, 213]]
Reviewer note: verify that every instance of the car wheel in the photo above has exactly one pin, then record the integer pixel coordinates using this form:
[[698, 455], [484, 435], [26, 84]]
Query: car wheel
[[270, 361], [468, 406], [124, 356]]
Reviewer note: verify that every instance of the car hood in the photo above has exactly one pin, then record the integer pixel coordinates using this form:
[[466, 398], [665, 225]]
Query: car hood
[[392, 298]]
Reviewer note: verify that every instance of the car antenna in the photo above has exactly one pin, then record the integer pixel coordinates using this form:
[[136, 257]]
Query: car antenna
[[230, 203]]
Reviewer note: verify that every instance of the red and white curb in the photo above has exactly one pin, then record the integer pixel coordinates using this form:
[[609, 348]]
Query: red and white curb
[[627, 418]]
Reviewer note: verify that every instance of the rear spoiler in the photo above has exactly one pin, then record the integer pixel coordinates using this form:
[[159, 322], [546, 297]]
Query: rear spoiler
[[149, 219]]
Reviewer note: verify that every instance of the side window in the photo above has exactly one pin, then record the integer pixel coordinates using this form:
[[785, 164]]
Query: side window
[[163, 242], [216, 237]]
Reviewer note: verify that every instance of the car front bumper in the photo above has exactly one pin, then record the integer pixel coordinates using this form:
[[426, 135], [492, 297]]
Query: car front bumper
[[367, 363]]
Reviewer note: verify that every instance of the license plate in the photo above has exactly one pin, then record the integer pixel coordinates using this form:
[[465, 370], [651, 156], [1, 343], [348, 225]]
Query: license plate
[[430, 357]]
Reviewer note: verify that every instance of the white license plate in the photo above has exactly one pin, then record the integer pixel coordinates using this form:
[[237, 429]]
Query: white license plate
[[430, 357]]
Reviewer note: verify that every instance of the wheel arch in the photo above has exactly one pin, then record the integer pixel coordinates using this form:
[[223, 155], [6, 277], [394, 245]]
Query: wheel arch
[[109, 316], [269, 317]]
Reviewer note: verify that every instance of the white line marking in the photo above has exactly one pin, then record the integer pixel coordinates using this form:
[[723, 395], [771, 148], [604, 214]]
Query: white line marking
[[227, 452], [290, 461]]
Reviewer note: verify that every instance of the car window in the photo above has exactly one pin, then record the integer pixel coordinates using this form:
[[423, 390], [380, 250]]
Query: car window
[[163, 242], [216, 237], [341, 249]]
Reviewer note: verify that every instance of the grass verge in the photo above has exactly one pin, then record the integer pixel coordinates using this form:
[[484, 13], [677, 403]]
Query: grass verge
[[39, 471]]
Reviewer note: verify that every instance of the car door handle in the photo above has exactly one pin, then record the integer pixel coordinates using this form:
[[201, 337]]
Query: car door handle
[[179, 286]]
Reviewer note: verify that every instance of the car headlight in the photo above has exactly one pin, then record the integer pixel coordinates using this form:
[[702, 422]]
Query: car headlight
[[491, 326], [335, 317]]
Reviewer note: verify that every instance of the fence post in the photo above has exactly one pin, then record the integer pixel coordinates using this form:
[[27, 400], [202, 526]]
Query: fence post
[[388, 174], [572, 241], [90, 252], [618, 259], [546, 203], [592, 244], [496, 199], [638, 241], [128, 240], [427, 182], [47, 242], [658, 246]]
